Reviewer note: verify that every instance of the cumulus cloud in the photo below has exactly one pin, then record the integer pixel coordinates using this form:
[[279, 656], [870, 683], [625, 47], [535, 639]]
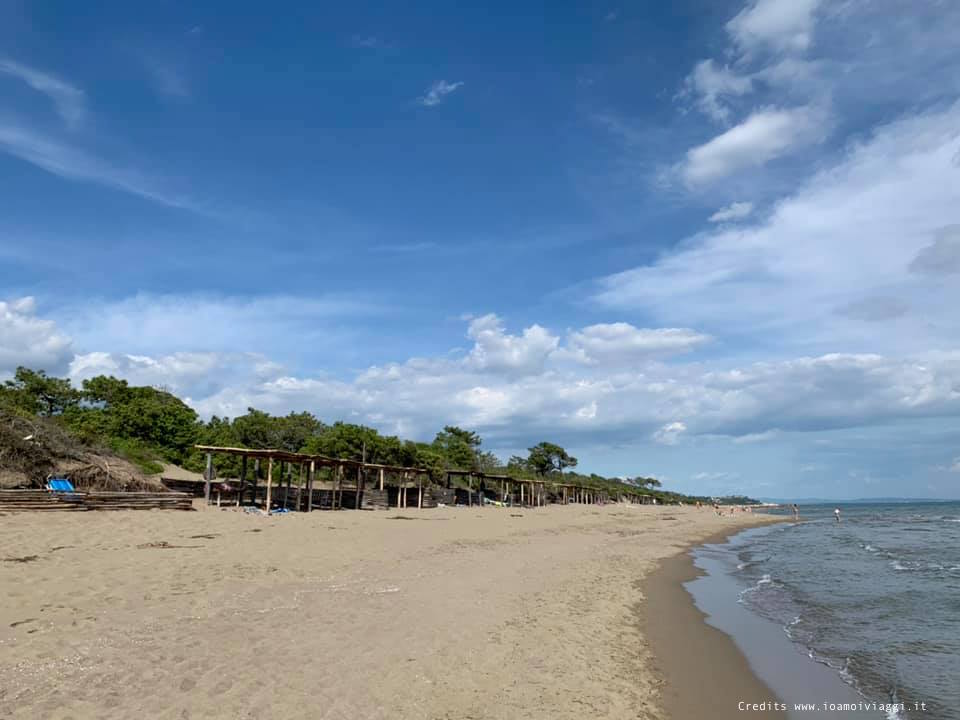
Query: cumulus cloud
[[69, 100], [497, 351], [764, 136], [516, 390], [437, 92], [26, 339], [733, 211]]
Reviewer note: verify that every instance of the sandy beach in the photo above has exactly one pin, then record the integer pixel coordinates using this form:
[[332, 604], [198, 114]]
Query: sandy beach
[[445, 613]]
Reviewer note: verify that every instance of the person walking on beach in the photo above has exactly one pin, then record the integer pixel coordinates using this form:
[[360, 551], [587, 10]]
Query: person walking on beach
[[836, 514], [796, 512]]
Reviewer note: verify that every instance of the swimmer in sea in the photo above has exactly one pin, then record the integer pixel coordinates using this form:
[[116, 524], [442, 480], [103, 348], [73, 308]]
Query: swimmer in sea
[[836, 514]]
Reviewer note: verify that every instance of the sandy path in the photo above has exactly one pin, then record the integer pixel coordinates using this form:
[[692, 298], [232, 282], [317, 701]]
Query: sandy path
[[458, 613]]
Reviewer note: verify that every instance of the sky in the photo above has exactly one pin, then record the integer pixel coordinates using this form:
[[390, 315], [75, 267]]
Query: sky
[[713, 242]]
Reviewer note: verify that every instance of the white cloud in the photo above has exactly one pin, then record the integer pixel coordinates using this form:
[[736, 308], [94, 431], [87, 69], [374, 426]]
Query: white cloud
[[69, 100], [782, 25], [497, 351], [437, 92], [733, 211], [619, 343], [762, 137], [516, 391], [28, 340], [716, 476], [712, 85], [852, 231], [670, 433], [955, 467]]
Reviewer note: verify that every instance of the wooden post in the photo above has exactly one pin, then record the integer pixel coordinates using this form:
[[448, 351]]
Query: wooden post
[[313, 469], [356, 501], [381, 479], [338, 493], [521, 494], [256, 477], [303, 468], [243, 480], [207, 475], [286, 488], [470, 491], [269, 483]]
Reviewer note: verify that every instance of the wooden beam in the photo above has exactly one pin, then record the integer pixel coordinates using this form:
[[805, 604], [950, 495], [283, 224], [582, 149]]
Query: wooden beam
[[420, 492], [256, 478], [243, 479], [381, 479]]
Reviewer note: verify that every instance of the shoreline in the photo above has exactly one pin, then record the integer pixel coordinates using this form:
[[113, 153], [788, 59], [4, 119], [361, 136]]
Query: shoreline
[[703, 672], [486, 613], [715, 654]]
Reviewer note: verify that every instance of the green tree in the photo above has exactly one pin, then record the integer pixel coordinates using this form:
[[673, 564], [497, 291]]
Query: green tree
[[460, 447], [114, 410], [35, 392], [547, 457]]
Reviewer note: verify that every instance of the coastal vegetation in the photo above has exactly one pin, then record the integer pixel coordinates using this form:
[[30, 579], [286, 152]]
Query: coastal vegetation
[[148, 426]]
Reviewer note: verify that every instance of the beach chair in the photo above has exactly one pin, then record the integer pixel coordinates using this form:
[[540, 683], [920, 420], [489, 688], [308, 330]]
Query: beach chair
[[60, 485]]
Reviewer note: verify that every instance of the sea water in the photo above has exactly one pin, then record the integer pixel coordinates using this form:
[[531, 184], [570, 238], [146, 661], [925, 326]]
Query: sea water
[[875, 597]]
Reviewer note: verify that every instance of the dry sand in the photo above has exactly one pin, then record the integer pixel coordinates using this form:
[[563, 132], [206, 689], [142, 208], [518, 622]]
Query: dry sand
[[446, 613]]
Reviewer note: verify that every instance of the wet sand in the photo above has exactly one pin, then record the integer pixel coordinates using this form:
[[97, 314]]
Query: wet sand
[[447, 613], [704, 673]]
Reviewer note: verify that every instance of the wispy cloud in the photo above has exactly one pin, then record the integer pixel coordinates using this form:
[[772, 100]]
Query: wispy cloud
[[733, 211], [437, 92], [764, 136], [69, 100], [74, 164]]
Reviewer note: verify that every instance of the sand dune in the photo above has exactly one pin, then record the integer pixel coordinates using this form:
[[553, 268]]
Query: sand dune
[[446, 613]]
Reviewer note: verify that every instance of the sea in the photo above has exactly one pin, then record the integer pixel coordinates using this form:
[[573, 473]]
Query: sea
[[872, 601]]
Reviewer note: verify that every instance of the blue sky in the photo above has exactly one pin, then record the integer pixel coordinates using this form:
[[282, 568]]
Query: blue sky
[[715, 242]]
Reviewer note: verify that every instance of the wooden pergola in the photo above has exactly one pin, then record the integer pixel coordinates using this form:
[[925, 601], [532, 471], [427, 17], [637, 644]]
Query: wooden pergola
[[522, 491], [531, 493], [309, 465]]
